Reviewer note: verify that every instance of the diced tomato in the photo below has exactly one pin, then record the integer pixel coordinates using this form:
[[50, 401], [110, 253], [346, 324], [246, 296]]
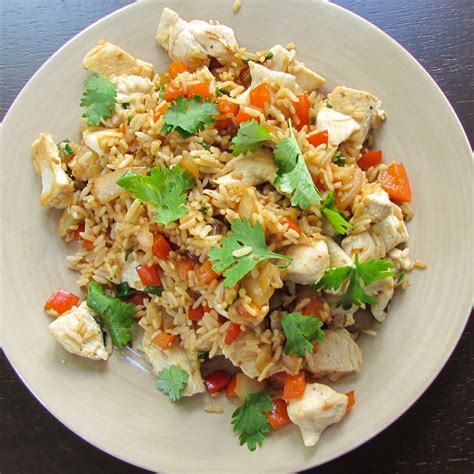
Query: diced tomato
[[149, 275], [319, 138], [172, 92], [232, 333], [205, 274], [294, 387], [61, 301], [302, 110], [293, 225], [202, 88], [243, 117], [350, 402], [230, 389], [161, 110], [227, 107], [88, 244], [161, 247], [222, 124], [176, 67], [164, 340], [244, 78], [278, 380], [216, 381], [370, 159], [138, 298], [260, 96], [314, 307], [184, 267], [195, 314], [279, 414], [394, 181]]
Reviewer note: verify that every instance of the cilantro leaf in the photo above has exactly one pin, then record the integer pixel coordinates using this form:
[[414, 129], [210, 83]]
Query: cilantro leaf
[[242, 236], [165, 188], [335, 217], [189, 116], [172, 382], [249, 419], [359, 275], [123, 290], [249, 137], [300, 332], [293, 177], [99, 98], [115, 314], [154, 290], [65, 147]]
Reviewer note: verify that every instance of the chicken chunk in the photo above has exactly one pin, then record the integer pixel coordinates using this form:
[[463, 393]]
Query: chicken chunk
[[319, 407], [366, 244], [57, 187], [252, 169], [99, 140], [362, 106], [79, 333], [382, 290], [377, 205], [131, 87], [193, 42], [160, 360], [337, 256], [337, 355], [85, 164], [309, 262], [339, 126], [392, 229], [111, 60]]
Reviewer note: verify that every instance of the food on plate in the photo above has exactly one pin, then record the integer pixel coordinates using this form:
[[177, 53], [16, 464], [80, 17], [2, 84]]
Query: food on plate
[[227, 209]]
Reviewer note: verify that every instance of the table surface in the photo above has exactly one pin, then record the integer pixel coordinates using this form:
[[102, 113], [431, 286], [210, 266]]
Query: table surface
[[435, 435]]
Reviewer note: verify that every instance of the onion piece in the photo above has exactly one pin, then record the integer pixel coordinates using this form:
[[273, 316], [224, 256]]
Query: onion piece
[[105, 186], [246, 385], [345, 198]]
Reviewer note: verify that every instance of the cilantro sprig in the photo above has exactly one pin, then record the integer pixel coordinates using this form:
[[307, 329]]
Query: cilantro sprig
[[250, 136], [115, 314], [242, 236], [172, 382], [249, 419], [189, 116], [300, 332], [165, 188], [293, 177], [99, 97], [359, 275], [335, 217]]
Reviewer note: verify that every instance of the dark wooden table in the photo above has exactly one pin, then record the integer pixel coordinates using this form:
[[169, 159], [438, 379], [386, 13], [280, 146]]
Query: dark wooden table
[[435, 436]]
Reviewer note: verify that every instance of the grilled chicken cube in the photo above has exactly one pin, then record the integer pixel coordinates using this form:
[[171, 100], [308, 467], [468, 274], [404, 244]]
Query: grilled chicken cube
[[337, 355], [377, 204], [131, 87], [99, 140], [382, 290], [111, 60], [392, 229], [57, 188], [367, 245], [309, 262], [319, 407], [79, 333], [339, 126]]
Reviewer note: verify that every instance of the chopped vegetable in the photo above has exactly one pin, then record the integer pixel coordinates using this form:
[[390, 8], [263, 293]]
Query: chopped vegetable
[[244, 384], [176, 67], [184, 267], [394, 181], [226, 107], [161, 247], [230, 389], [260, 96], [220, 92], [250, 136], [203, 356], [300, 332], [232, 333], [123, 290], [249, 420], [292, 225], [201, 89], [338, 159], [278, 417], [164, 340], [189, 116], [66, 147], [164, 188], [320, 138], [172, 382], [216, 381], [335, 217], [302, 108], [372, 158], [149, 275], [154, 290], [243, 117], [99, 98], [223, 123], [87, 244], [61, 301], [350, 402], [359, 276], [138, 298], [196, 314], [314, 308], [242, 236], [205, 274], [114, 313], [171, 92], [294, 387], [293, 177]]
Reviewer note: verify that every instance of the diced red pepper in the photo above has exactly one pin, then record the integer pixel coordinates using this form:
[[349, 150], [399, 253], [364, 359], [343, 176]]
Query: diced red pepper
[[161, 110], [350, 402], [61, 301], [394, 181], [278, 380], [232, 333], [80, 228], [314, 307], [138, 298], [302, 110], [216, 381], [222, 124], [201, 88], [176, 67], [260, 96], [370, 159], [293, 225], [149, 275], [244, 78], [161, 247], [172, 92], [227, 107], [164, 340], [196, 314], [319, 138], [294, 387], [279, 414], [230, 389], [88, 244], [244, 117], [205, 274], [184, 267]]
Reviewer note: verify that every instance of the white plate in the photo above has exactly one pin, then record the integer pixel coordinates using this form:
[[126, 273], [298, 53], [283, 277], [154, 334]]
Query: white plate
[[115, 406]]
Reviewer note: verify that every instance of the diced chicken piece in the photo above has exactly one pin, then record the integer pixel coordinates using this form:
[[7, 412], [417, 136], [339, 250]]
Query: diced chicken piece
[[160, 360], [281, 58], [337, 256], [383, 291], [362, 106], [309, 262], [129, 275], [85, 164], [337, 355], [339, 126], [111, 60], [392, 229], [377, 204], [99, 140], [367, 245], [193, 42], [319, 407], [79, 333], [57, 187], [131, 87], [252, 169]]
